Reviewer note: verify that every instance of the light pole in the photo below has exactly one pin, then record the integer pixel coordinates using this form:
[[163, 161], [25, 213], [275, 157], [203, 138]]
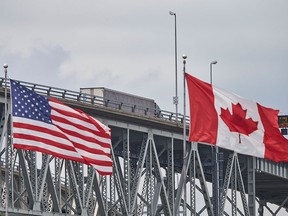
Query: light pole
[[175, 99], [213, 62]]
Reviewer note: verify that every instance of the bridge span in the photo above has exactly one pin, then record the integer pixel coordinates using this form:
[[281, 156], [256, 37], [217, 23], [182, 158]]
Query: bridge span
[[149, 173]]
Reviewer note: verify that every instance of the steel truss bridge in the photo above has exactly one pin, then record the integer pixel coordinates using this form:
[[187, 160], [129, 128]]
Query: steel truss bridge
[[149, 173]]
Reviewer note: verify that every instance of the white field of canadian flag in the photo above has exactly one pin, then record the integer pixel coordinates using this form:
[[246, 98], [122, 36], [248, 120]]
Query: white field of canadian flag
[[221, 118]]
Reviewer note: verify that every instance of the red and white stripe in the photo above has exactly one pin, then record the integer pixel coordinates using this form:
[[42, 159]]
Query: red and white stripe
[[72, 135]]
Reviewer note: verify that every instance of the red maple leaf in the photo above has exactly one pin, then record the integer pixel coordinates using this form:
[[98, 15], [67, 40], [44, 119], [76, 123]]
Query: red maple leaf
[[237, 121]]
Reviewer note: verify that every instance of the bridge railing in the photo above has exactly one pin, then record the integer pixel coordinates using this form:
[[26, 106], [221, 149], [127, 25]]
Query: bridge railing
[[278, 169], [99, 101]]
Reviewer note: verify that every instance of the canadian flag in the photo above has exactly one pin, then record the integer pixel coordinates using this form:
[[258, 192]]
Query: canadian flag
[[229, 121]]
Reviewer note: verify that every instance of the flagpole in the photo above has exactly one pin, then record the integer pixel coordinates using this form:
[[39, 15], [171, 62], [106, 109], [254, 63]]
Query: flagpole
[[5, 66], [216, 171], [184, 133]]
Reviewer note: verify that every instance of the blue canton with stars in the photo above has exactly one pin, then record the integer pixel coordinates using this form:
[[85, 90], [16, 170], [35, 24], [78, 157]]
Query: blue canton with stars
[[28, 104]]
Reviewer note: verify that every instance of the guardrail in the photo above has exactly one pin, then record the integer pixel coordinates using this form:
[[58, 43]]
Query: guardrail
[[98, 101]]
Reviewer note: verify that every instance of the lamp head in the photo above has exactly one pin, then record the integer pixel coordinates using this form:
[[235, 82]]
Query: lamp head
[[5, 66], [213, 62], [172, 13], [184, 56]]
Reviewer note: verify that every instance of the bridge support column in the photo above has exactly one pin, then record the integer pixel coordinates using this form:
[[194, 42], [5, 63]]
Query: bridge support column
[[261, 208], [251, 186], [170, 173]]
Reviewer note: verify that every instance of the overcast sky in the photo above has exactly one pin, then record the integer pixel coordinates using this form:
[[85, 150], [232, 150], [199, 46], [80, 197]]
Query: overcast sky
[[129, 46]]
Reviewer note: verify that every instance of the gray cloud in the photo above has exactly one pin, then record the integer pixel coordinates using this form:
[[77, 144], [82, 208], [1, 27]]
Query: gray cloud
[[129, 45], [39, 65]]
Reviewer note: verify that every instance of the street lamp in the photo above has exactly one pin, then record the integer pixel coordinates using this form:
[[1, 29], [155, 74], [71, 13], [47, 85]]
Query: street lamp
[[213, 62], [175, 99]]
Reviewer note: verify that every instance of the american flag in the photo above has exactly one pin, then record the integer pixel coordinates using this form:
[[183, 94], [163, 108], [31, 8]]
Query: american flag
[[49, 126]]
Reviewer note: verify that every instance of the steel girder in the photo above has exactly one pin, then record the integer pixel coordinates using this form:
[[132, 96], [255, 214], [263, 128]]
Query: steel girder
[[145, 164], [55, 186]]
